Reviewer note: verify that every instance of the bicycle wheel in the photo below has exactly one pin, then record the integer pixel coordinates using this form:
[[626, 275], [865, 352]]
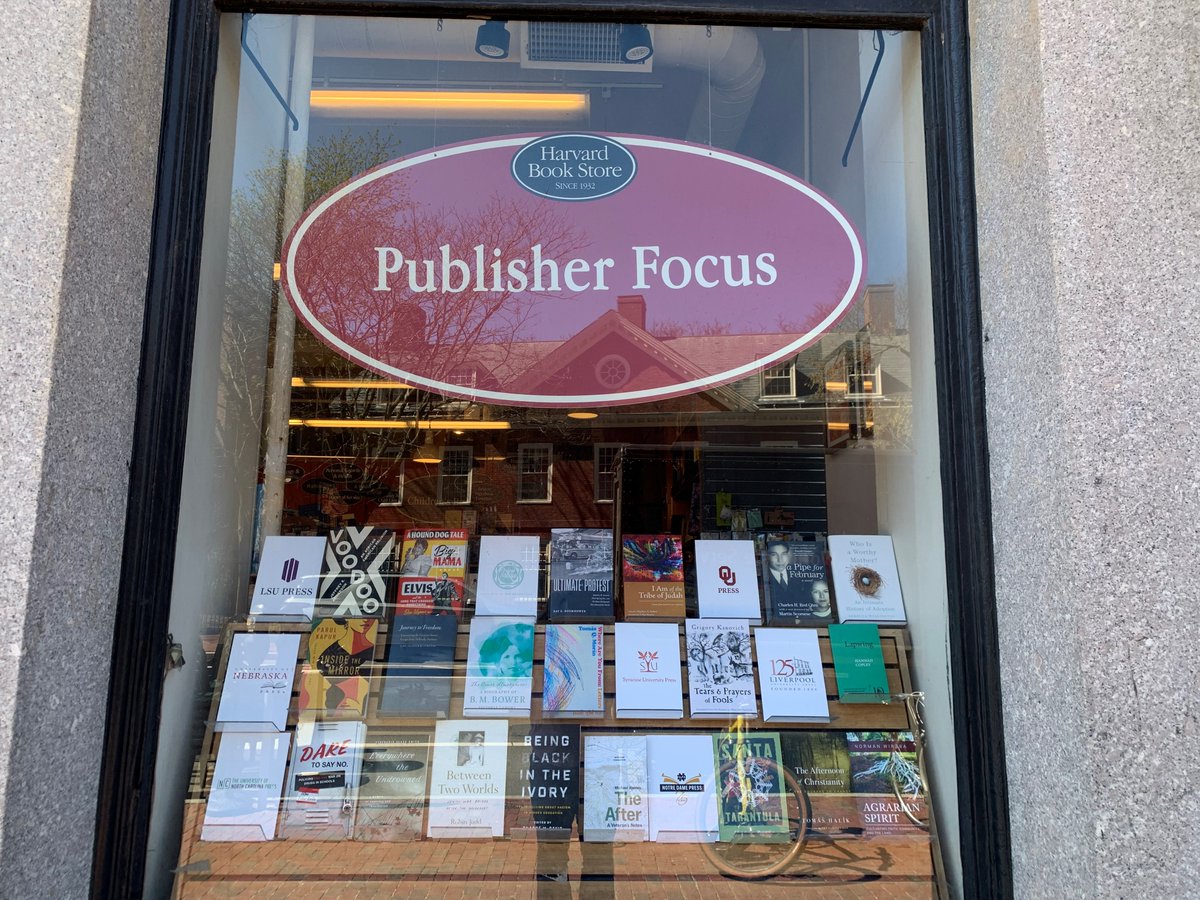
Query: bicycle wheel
[[908, 787], [753, 852]]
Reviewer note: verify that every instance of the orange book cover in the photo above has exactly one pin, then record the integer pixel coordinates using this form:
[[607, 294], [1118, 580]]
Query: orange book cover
[[336, 679]]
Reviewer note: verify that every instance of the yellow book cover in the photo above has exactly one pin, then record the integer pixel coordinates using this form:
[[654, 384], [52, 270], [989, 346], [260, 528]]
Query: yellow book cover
[[335, 680]]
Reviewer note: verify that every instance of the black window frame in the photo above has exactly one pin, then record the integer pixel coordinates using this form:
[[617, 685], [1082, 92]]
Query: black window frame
[[140, 629]]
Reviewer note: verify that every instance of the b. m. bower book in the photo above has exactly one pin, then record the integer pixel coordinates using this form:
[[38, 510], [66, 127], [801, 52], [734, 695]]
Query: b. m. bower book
[[865, 579], [752, 807], [649, 681], [420, 666], [543, 781], [681, 782], [574, 671], [614, 788], [289, 572], [581, 574], [433, 569], [243, 803], [354, 579], [652, 576], [790, 675], [509, 567], [467, 779], [391, 796], [727, 580], [499, 666], [257, 690], [335, 680], [720, 670], [795, 585], [323, 783]]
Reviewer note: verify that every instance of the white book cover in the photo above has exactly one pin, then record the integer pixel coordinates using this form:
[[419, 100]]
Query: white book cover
[[866, 583], [509, 567], [243, 804], [467, 779], [614, 788], [681, 786], [649, 681], [790, 675], [499, 666], [289, 574], [573, 686], [257, 690], [322, 788], [727, 580], [720, 668]]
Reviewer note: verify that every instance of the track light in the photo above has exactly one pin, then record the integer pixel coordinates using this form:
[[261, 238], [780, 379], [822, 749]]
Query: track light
[[635, 43], [492, 39]]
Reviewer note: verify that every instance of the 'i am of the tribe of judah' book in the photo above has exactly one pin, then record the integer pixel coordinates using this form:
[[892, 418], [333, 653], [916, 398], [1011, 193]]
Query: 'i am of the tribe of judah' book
[[858, 664], [720, 668], [790, 675], [752, 804], [499, 666], [649, 681], [467, 781], [509, 572], [581, 574], [681, 783], [257, 691], [795, 584], [820, 761], [356, 574], [866, 583], [289, 574], [543, 781], [574, 671], [420, 666], [614, 788], [335, 681], [652, 576], [727, 580], [243, 803], [433, 571], [322, 787], [881, 761], [391, 793]]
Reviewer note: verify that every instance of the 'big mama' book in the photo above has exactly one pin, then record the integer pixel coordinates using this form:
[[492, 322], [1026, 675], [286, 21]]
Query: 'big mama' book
[[433, 569], [354, 579], [794, 581], [581, 574], [543, 781], [243, 804], [499, 667], [652, 576], [574, 671], [323, 784], [467, 779], [288, 575], [727, 580], [614, 788], [391, 795], [335, 680], [720, 670], [790, 675], [649, 682], [858, 664], [753, 807], [681, 783], [420, 666], [866, 582], [509, 568], [257, 690]]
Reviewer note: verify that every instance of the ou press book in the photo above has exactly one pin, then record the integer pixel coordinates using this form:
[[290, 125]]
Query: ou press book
[[649, 681], [866, 582], [727, 580], [790, 675], [289, 574], [257, 691], [243, 803]]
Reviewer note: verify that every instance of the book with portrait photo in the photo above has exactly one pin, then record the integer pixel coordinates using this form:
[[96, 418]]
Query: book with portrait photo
[[499, 666], [467, 779], [795, 583]]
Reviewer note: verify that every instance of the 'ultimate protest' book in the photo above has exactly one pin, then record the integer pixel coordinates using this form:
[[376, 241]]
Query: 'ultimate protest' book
[[499, 666], [420, 666], [790, 675], [433, 570], [866, 582], [243, 803], [543, 781], [752, 806], [581, 574], [391, 793], [574, 671], [467, 779], [614, 788], [681, 783], [356, 574], [720, 668], [795, 585], [727, 580], [322, 786], [652, 576], [509, 567], [335, 681], [289, 573], [257, 690], [858, 664], [649, 681]]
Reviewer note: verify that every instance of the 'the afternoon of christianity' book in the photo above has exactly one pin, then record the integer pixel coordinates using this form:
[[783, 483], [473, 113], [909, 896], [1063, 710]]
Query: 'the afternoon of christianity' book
[[752, 805], [866, 582], [509, 567], [649, 681], [543, 781], [858, 664], [356, 573], [322, 786], [467, 779], [432, 572], [243, 803], [652, 576], [727, 580], [499, 666], [681, 784], [391, 793], [574, 671], [289, 573], [795, 585], [720, 668], [581, 574], [420, 666], [335, 681], [614, 788], [790, 675], [257, 690]]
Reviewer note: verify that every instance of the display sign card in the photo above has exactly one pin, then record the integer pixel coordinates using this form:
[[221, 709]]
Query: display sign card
[[323, 784], [614, 788], [466, 786], [790, 675], [257, 691], [574, 671], [289, 574], [649, 681], [508, 575], [499, 667], [866, 582], [681, 783], [727, 580], [720, 668], [243, 803], [433, 569]]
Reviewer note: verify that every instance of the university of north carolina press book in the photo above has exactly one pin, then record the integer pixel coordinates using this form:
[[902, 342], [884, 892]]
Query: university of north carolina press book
[[649, 680], [257, 691], [727, 580], [467, 779], [391, 793], [574, 672], [681, 784], [720, 668], [323, 784], [499, 666], [432, 572], [289, 574], [335, 681], [543, 781], [614, 788], [795, 584], [581, 575], [790, 676], [866, 582], [509, 573], [420, 666], [247, 782], [356, 575]]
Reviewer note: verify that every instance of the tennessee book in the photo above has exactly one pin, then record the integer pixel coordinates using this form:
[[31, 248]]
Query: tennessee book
[[335, 681], [581, 574], [866, 582], [882, 762], [243, 803], [322, 786], [790, 675], [509, 575], [727, 580], [467, 779], [257, 690], [419, 667], [614, 788], [391, 792], [720, 668], [820, 760], [858, 664], [289, 572], [432, 572], [574, 671], [499, 666], [356, 574], [751, 803], [649, 680], [681, 784], [543, 781], [795, 584], [652, 576]]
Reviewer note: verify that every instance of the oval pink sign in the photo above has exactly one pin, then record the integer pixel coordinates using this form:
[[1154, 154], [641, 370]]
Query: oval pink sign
[[572, 270]]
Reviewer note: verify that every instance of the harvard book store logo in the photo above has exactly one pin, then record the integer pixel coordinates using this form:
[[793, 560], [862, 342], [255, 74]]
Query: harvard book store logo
[[790, 668], [291, 568], [648, 660]]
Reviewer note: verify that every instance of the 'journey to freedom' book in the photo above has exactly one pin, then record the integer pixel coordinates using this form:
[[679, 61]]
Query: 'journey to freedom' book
[[257, 691], [681, 782], [727, 580], [790, 675], [614, 788], [323, 784], [243, 803], [467, 779], [420, 666], [752, 806], [652, 576], [574, 671], [720, 668], [509, 568], [499, 666], [289, 574], [433, 571], [581, 574], [649, 681], [543, 781], [355, 576], [795, 584], [866, 582], [335, 682], [391, 793]]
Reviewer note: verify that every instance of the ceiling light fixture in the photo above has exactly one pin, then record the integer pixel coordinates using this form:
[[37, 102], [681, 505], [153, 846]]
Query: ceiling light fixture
[[350, 383], [635, 43], [427, 453], [492, 39], [421, 424], [582, 414], [361, 104]]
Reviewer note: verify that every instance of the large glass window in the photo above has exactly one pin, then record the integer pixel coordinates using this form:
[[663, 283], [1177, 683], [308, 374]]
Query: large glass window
[[562, 495]]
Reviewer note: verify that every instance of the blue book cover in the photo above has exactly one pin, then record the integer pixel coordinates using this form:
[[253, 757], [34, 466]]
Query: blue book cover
[[581, 574], [419, 667], [574, 682]]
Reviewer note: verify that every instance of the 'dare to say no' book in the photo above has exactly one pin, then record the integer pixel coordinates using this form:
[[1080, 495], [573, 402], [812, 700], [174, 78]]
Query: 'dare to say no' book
[[322, 786]]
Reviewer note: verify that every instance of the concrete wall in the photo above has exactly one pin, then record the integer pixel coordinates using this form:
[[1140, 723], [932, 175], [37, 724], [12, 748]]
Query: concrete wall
[[78, 144], [1086, 146]]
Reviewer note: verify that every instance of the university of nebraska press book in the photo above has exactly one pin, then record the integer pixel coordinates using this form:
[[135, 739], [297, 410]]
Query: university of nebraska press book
[[391, 796], [323, 784], [354, 579], [509, 570], [574, 671], [790, 675], [466, 785], [257, 690], [243, 804], [289, 572], [581, 574], [433, 570], [727, 580], [420, 666], [649, 681], [499, 666], [720, 669], [866, 582], [652, 576]]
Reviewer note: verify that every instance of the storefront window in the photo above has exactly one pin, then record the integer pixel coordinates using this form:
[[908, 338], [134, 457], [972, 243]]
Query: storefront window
[[562, 500]]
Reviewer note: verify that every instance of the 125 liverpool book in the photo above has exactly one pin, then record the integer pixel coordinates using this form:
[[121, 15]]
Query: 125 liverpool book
[[433, 568], [581, 574], [790, 675]]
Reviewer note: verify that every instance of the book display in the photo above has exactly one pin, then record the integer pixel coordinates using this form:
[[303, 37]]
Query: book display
[[649, 684], [790, 675], [543, 781], [391, 793], [247, 782], [574, 671], [467, 779], [681, 786], [720, 668], [355, 577], [334, 682], [419, 666], [858, 663], [652, 576], [508, 576], [581, 574], [257, 691], [499, 667], [432, 572], [727, 580], [322, 787], [289, 574], [752, 804], [795, 584], [614, 788], [866, 582]]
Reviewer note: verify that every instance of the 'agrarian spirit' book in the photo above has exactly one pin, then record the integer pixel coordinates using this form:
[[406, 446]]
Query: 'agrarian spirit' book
[[574, 671], [865, 580], [243, 804], [433, 570], [499, 667], [420, 666], [790, 675], [795, 584], [257, 690], [289, 573], [355, 576], [391, 796], [335, 681], [581, 574], [681, 782], [752, 804], [858, 664], [323, 783], [508, 575], [543, 781], [466, 786], [881, 762], [652, 576], [614, 788], [649, 682], [727, 580], [720, 669]]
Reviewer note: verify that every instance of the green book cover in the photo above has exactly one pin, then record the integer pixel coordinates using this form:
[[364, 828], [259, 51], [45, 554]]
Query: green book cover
[[752, 800], [858, 664]]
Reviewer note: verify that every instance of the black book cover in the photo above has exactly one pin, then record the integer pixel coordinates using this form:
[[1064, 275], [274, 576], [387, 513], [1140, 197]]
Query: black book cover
[[419, 667], [543, 781], [795, 584], [356, 573], [581, 574]]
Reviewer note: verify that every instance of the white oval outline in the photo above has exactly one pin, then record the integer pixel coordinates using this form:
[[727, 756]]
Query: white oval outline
[[517, 178], [682, 388]]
